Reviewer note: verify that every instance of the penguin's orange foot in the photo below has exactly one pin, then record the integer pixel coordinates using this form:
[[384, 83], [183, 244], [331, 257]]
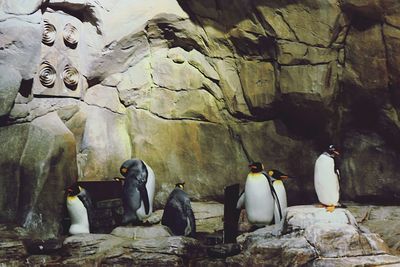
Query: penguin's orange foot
[[330, 208]]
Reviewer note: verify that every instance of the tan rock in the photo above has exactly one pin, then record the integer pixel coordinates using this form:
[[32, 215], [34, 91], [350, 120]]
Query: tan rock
[[86, 245], [195, 105], [365, 60], [231, 87], [165, 73], [186, 156], [291, 53], [316, 81], [274, 18], [100, 159], [392, 43], [104, 97], [258, 83], [312, 22], [209, 216]]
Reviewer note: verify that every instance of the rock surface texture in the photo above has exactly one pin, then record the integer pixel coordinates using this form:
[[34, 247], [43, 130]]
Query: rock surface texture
[[196, 89], [312, 236], [309, 236]]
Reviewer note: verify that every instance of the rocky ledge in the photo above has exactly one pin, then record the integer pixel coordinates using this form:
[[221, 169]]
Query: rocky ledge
[[309, 236]]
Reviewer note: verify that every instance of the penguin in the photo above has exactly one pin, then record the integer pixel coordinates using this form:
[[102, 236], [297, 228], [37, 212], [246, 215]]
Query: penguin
[[258, 197], [178, 214], [137, 191], [80, 209], [326, 178], [277, 178]]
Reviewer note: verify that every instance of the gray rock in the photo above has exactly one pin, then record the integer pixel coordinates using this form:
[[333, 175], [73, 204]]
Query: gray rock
[[87, 245], [141, 232], [209, 216], [36, 181], [313, 237], [9, 86], [21, 7], [175, 245], [381, 220], [142, 259]]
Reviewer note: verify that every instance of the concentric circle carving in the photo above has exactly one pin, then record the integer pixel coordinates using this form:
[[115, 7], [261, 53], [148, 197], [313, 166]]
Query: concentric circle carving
[[47, 74], [70, 76], [49, 33], [70, 34]]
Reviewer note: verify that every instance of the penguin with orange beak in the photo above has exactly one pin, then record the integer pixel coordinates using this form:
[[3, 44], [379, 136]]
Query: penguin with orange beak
[[138, 190], [258, 197], [80, 210], [326, 178], [277, 178]]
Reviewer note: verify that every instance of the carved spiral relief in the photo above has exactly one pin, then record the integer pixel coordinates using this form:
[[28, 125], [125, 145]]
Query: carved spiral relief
[[70, 34], [47, 74], [70, 77], [49, 33]]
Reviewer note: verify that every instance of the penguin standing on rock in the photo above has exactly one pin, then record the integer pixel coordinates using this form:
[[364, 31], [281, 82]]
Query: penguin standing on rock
[[277, 178], [178, 214], [258, 196], [138, 190], [326, 179], [80, 209]]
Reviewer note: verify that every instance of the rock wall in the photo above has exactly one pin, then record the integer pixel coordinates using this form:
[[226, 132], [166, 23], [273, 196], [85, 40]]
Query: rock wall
[[196, 89]]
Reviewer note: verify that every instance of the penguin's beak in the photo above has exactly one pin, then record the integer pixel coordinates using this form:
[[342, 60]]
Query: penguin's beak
[[336, 152], [284, 177]]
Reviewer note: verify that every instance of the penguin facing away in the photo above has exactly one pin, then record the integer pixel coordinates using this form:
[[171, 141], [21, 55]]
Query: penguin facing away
[[178, 214], [280, 207], [326, 179], [138, 190], [257, 197], [80, 210]]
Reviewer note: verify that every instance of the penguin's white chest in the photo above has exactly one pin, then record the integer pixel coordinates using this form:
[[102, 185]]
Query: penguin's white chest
[[259, 203], [326, 180], [78, 214], [281, 194]]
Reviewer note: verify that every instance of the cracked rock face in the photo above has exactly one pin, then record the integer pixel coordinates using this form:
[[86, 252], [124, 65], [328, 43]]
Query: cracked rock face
[[311, 236], [196, 89]]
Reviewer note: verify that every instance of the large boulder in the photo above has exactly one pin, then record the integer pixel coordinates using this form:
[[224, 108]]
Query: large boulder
[[314, 237], [42, 165]]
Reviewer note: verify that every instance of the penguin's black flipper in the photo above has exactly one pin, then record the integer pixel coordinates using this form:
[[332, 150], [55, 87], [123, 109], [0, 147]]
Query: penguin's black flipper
[[84, 196], [131, 200], [192, 221], [144, 196]]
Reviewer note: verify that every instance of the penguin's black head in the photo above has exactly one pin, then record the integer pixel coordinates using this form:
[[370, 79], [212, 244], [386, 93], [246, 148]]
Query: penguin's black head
[[331, 150], [256, 167], [133, 166], [277, 175], [73, 190], [180, 185]]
